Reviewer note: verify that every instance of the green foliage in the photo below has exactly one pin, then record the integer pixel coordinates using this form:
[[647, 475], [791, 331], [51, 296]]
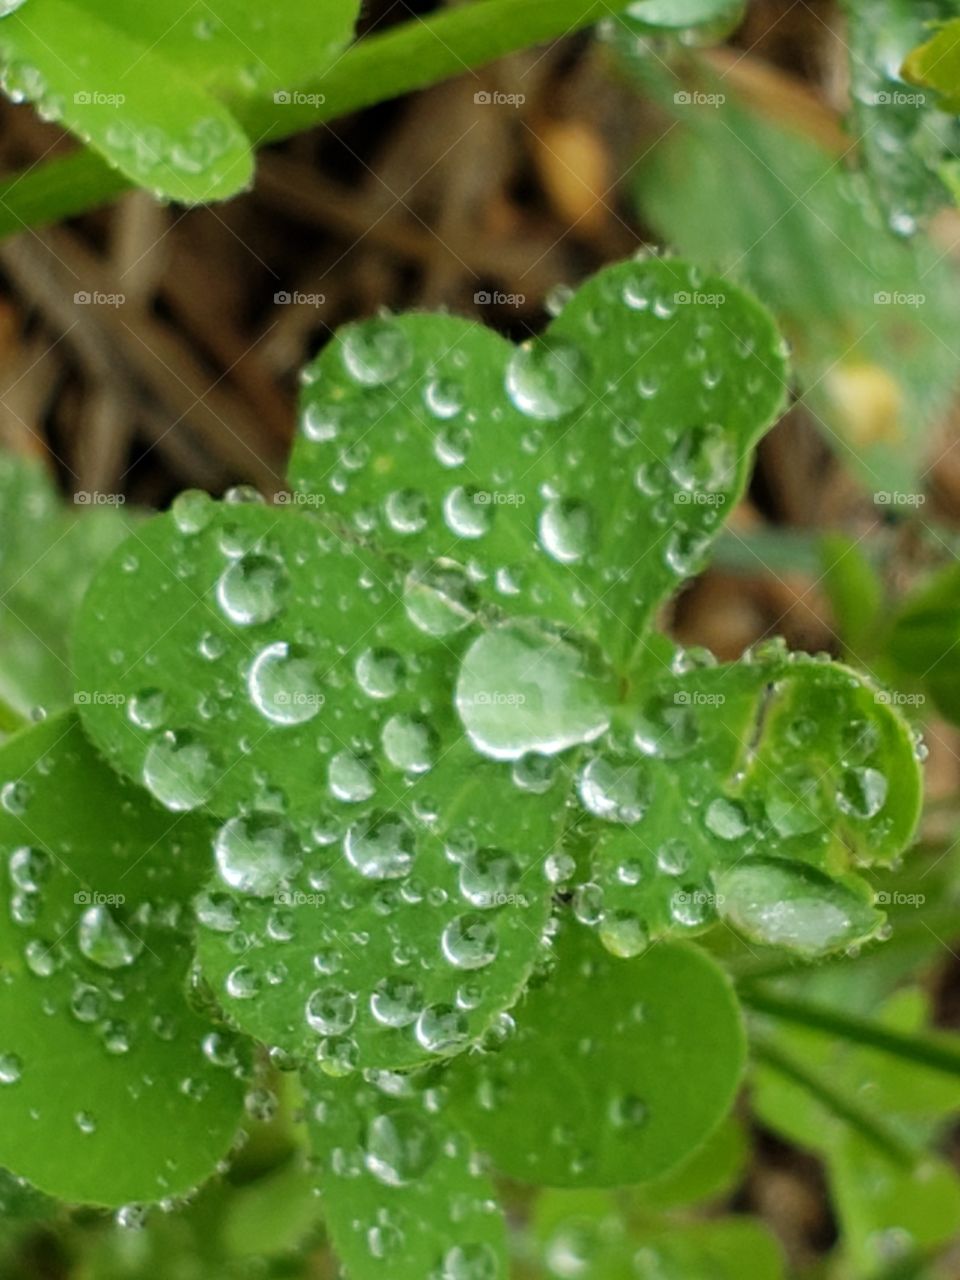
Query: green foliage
[[909, 143], [431, 784], [150, 87], [871, 332], [47, 558], [617, 1071], [106, 1092], [923, 637]]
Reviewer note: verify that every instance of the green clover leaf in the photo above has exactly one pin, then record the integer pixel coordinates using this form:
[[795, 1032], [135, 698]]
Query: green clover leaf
[[423, 693], [112, 1089]]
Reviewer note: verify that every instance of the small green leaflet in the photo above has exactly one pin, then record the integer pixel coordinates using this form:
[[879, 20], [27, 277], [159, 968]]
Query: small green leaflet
[[112, 1089], [618, 1069], [153, 87]]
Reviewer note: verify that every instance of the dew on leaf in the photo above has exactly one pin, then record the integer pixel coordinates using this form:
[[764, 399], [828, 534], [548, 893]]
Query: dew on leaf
[[467, 512], [380, 846], [396, 1002], [252, 589], [726, 819], [862, 792], [439, 598], [614, 788], [376, 352], [104, 941], [409, 744], [547, 379], [792, 905], [525, 688], [350, 777], [178, 770], [331, 1010], [284, 686], [400, 1147], [565, 529], [11, 1068], [379, 672], [255, 854], [470, 941]]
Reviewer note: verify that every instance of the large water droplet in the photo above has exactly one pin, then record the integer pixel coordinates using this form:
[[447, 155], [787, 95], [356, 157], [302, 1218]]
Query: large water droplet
[[546, 379], [524, 687], [284, 685], [380, 847], [400, 1147], [256, 854], [375, 352], [792, 905], [104, 941], [252, 589], [178, 770], [566, 529]]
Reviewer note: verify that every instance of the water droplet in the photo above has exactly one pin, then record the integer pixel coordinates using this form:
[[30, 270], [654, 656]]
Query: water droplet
[[439, 598], [467, 512], [375, 352], [351, 777], [380, 847], [792, 905], [547, 379], [726, 819], [400, 1147], [623, 934], [252, 589], [409, 744], [379, 672], [614, 788], [470, 942], [29, 869], [862, 792], [178, 770], [256, 854], [284, 686], [192, 510], [406, 511], [396, 1002], [440, 1028], [331, 1010], [106, 942], [526, 688], [147, 709], [11, 1068]]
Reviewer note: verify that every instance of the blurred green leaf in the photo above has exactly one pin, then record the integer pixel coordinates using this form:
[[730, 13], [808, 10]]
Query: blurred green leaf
[[618, 1071], [924, 640], [855, 592], [906, 140], [142, 84], [936, 62], [873, 320], [48, 554]]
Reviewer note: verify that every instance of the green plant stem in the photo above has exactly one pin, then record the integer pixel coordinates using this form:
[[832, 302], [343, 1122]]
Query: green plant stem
[[927, 1050], [883, 1137], [407, 57]]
